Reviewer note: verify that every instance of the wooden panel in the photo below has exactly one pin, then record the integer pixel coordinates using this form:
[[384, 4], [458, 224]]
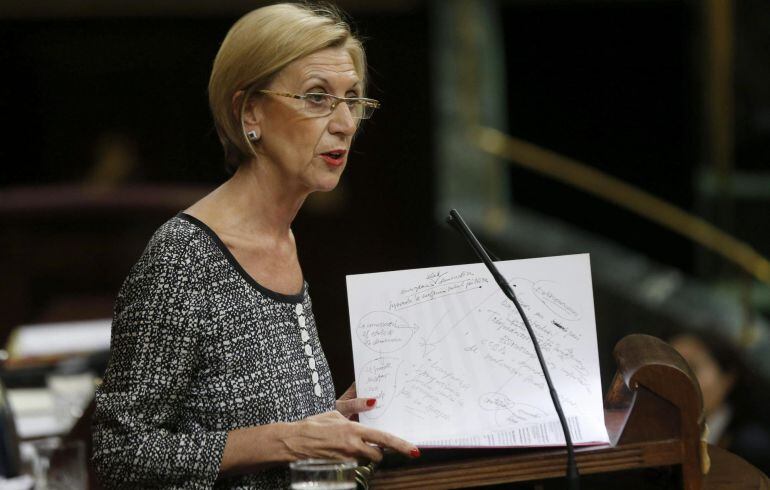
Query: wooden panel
[[535, 465]]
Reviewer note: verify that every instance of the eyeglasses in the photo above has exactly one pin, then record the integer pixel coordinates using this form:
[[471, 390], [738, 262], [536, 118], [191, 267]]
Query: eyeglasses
[[321, 104]]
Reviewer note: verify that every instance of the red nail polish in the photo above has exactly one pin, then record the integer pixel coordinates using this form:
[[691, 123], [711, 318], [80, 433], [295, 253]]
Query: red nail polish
[[370, 402], [415, 453]]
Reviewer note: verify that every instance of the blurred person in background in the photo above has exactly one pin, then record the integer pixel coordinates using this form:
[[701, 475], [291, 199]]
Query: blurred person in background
[[733, 400], [217, 377]]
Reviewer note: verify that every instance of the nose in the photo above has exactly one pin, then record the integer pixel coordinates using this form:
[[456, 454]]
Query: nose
[[342, 120]]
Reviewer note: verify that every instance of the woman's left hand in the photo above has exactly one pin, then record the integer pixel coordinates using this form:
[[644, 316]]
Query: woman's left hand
[[350, 406]]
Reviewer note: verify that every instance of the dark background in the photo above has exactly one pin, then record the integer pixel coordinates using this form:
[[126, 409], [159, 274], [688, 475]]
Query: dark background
[[611, 84]]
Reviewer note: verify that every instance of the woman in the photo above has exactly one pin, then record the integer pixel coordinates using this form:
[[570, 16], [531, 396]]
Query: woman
[[217, 376]]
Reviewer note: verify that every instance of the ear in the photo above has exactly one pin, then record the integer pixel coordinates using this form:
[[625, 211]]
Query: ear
[[250, 114]]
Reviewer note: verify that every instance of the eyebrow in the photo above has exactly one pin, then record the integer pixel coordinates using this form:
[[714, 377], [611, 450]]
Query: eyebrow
[[325, 82]]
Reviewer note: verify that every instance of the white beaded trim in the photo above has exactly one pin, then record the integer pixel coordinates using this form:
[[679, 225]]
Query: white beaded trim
[[299, 310]]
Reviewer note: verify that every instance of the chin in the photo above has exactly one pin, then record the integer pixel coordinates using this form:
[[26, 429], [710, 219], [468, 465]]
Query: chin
[[328, 184], [328, 188], [325, 180]]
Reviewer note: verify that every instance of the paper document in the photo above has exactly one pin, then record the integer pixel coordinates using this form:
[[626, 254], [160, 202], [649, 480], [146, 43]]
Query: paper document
[[450, 362]]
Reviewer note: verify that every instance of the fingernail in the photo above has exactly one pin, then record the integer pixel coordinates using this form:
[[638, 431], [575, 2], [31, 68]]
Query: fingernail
[[415, 453], [370, 402]]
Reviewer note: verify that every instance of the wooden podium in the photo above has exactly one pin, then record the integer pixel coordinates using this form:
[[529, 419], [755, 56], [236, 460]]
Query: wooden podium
[[654, 416]]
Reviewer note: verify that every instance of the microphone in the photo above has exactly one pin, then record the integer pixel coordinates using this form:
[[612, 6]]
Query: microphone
[[454, 219]]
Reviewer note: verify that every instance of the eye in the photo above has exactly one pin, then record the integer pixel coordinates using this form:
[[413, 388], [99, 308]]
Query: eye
[[315, 98]]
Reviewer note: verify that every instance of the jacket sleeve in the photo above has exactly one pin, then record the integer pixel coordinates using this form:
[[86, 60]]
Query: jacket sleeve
[[156, 329]]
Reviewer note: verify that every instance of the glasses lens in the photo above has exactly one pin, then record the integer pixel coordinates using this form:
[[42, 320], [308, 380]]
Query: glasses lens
[[367, 110], [356, 109], [320, 104]]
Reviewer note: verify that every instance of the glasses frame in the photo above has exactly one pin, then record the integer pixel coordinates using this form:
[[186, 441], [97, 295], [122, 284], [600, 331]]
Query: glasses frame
[[374, 104]]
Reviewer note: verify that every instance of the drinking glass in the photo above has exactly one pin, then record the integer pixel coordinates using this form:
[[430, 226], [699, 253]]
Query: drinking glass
[[323, 474], [58, 465]]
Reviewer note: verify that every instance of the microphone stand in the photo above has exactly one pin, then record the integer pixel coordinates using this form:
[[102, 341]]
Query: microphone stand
[[457, 222]]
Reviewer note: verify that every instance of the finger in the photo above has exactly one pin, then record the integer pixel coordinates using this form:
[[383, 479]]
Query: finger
[[370, 452], [343, 407], [350, 393], [384, 439], [355, 406]]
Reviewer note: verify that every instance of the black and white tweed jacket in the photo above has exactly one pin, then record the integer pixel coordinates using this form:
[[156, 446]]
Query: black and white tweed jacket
[[200, 348]]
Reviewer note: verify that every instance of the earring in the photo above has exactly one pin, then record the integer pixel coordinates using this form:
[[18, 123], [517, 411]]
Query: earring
[[252, 135]]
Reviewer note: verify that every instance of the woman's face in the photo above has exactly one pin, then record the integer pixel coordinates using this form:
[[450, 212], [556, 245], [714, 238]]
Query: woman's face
[[297, 144]]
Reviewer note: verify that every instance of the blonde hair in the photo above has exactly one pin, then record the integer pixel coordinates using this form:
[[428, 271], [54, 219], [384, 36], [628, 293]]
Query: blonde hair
[[258, 46]]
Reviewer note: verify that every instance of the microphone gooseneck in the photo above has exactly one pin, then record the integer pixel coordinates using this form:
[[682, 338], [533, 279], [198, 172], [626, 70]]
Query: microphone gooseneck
[[455, 220]]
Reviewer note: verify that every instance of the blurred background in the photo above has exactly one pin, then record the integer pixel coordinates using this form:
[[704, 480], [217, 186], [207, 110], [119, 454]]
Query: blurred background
[[635, 130]]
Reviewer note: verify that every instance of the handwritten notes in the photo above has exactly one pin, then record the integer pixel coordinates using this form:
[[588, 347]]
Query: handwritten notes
[[450, 363]]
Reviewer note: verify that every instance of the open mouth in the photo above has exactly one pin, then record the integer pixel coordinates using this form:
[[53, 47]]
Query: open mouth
[[334, 157]]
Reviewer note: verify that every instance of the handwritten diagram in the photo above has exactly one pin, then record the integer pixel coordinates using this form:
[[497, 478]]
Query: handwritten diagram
[[449, 361]]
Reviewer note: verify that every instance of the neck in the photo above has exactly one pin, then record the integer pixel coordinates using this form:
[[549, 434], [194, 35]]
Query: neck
[[257, 201]]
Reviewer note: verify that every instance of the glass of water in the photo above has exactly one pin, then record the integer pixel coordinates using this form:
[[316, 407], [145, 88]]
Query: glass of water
[[56, 464], [323, 474]]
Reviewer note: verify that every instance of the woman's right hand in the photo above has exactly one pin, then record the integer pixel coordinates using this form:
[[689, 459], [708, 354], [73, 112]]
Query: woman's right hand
[[327, 435], [331, 435]]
